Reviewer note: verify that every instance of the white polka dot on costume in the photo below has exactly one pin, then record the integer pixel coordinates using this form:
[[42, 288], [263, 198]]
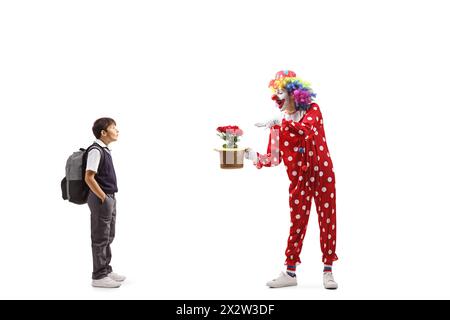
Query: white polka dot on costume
[[323, 138], [298, 250], [315, 108], [321, 214], [300, 132], [324, 189], [328, 155], [286, 143], [312, 179], [333, 226], [301, 237], [289, 158], [330, 252], [300, 178], [317, 118], [311, 153], [286, 129], [297, 216], [318, 158], [299, 163], [307, 198], [296, 201], [307, 183], [292, 257], [295, 149], [294, 173], [291, 209], [332, 211], [320, 173], [330, 179], [309, 118], [307, 212], [321, 148], [292, 135], [292, 224], [323, 229], [316, 193], [282, 153], [329, 236], [326, 205], [328, 220], [302, 193], [332, 195], [325, 260], [316, 168], [313, 143], [325, 163], [295, 244], [303, 207], [324, 245], [298, 230], [290, 238]]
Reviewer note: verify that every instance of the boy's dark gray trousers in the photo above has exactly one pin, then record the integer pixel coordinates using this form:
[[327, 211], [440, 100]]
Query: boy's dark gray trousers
[[103, 229]]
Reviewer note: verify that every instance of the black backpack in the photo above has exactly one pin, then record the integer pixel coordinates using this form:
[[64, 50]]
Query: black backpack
[[73, 186]]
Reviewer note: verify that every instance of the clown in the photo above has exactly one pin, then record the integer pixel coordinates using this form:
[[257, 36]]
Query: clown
[[299, 141]]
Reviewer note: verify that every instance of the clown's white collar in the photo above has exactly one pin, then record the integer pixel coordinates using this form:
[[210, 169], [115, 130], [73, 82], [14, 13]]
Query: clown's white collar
[[296, 116]]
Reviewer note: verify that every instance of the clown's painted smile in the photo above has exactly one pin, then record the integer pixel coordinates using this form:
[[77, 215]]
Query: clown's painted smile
[[281, 98]]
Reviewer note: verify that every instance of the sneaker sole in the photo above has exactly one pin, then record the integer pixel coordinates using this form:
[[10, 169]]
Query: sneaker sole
[[99, 286], [276, 287], [331, 288]]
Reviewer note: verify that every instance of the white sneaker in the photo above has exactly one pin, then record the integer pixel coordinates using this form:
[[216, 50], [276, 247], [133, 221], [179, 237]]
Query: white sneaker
[[116, 277], [105, 282], [283, 280], [328, 281]]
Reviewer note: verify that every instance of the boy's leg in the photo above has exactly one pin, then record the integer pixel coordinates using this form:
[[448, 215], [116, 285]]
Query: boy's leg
[[112, 234], [101, 217]]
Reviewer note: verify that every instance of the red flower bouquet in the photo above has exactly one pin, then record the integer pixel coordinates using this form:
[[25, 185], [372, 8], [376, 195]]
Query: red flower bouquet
[[230, 134]]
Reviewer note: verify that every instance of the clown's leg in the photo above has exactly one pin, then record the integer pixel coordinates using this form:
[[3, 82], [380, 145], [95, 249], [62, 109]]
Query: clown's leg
[[325, 198]]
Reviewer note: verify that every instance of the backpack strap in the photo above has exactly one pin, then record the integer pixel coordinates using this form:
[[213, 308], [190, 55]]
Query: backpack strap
[[99, 148]]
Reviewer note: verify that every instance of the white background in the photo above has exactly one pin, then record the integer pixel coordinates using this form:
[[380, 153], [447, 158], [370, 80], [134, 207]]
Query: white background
[[169, 73]]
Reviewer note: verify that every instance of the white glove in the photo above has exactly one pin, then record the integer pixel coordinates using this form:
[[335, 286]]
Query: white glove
[[269, 124], [250, 155]]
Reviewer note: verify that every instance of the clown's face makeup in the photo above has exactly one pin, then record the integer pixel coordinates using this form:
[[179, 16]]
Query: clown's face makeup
[[281, 98]]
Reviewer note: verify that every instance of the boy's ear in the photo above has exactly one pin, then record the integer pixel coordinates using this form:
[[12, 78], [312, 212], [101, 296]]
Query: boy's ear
[[103, 133]]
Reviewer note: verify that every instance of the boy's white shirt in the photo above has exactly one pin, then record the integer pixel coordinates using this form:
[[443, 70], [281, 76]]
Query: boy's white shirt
[[93, 158]]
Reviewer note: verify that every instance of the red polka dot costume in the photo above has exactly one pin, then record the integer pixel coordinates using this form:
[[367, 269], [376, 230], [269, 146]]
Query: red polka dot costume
[[302, 146]]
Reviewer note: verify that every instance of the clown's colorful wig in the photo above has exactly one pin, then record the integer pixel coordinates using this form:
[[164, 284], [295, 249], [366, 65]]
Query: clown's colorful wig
[[301, 90]]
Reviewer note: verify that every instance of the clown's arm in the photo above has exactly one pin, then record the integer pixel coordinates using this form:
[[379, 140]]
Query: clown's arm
[[310, 122], [272, 158]]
